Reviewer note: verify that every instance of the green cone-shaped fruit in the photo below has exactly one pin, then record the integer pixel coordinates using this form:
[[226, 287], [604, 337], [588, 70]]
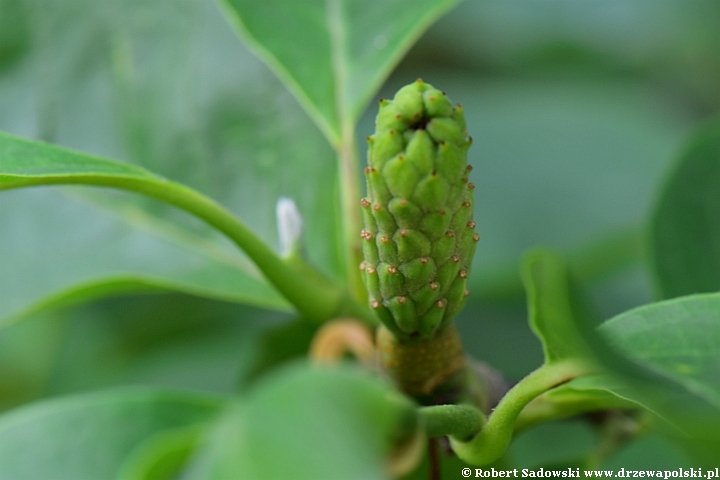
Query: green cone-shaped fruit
[[419, 235]]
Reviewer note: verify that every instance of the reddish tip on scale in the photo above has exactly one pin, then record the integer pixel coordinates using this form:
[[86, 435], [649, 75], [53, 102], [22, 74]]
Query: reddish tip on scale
[[463, 274], [370, 269], [471, 224], [384, 239], [403, 233], [476, 237], [466, 203], [455, 258], [392, 270], [434, 285], [362, 266], [441, 303], [364, 202], [375, 304], [402, 300], [450, 234], [471, 185], [377, 207], [423, 260], [467, 292]]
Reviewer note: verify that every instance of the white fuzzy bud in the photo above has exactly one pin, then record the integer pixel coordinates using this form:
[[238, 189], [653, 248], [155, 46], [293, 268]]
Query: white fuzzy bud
[[290, 226]]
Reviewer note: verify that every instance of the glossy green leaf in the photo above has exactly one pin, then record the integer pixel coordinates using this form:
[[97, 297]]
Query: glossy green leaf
[[307, 423], [89, 436], [685, 224], [348, 47], [556, 310]]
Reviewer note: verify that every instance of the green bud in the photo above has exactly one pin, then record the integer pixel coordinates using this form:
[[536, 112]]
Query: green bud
[[419, 234]]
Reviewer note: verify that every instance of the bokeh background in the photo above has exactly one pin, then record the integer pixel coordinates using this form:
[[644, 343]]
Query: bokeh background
[[578, 111]]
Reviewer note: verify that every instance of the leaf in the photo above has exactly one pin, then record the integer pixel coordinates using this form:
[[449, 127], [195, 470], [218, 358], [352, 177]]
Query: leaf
[[348, 48], [165, 340], [24, 163], [679, 339], [122, 251], [667, 355], [277, 346], [171, 341], [556, 311], [14, 31], [162, 456], [685, 227], [313, 422], [89, 436]]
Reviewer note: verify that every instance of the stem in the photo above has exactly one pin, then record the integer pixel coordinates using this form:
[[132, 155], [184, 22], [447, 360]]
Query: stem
[[492, 441], [347, 159], [350, 214], [434, 460], [460, 421], [431, 370]]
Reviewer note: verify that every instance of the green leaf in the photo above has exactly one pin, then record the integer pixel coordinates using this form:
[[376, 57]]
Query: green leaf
[[89, 436], [679, 339], [168, 340], [172, 341], [309, 423], [278, 345], [24, 163], [129, 250], [556, 310], [667, 356], [14, 31], [685, 227], [162, 456], [348, 47]]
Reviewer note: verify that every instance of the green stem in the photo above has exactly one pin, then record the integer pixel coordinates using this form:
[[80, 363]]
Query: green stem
[[460, 421], [350, 213], [492, 441], [313, 295]]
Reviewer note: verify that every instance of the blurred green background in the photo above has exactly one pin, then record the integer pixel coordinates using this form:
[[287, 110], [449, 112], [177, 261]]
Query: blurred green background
[[577, 111]]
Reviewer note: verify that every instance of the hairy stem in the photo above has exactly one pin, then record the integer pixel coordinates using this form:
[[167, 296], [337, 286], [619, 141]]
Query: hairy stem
[[459, 421]]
